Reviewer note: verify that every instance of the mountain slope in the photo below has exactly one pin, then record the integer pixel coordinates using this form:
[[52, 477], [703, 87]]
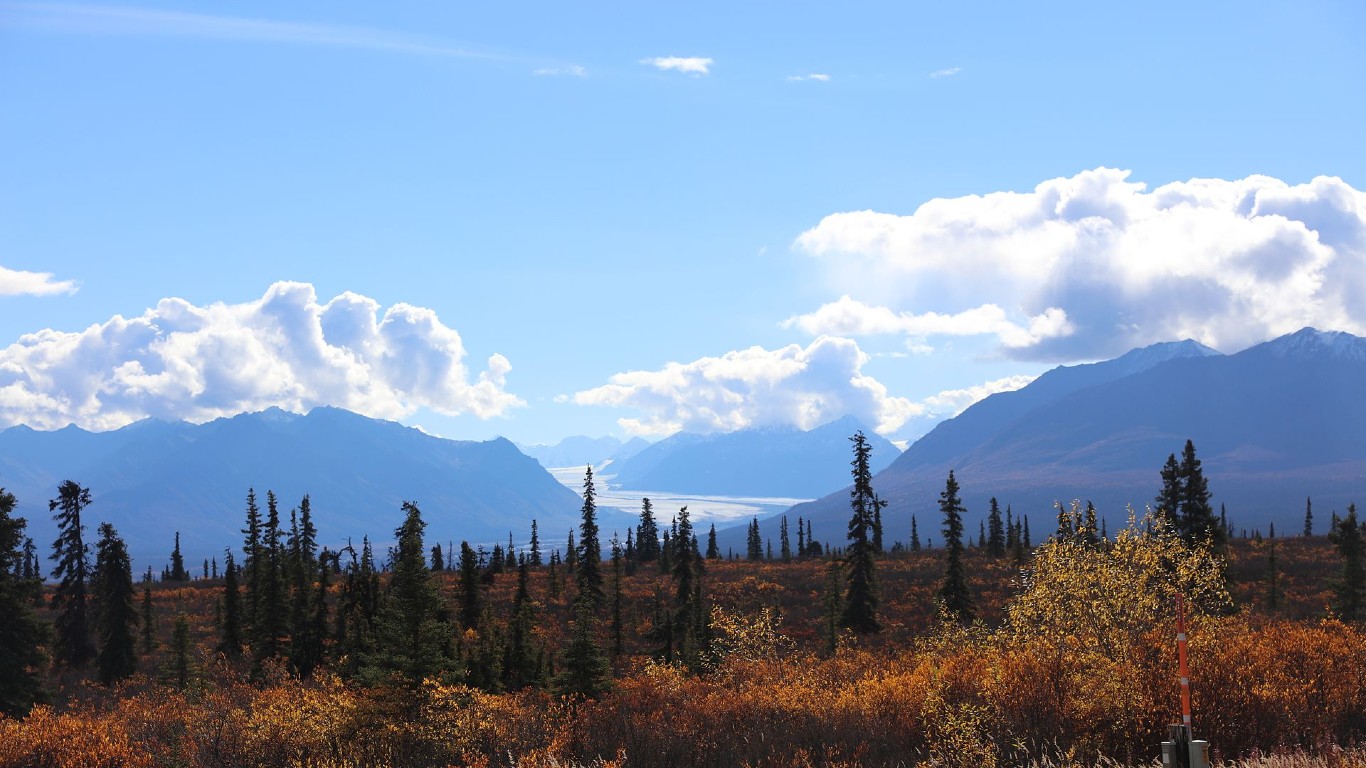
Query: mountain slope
[[151, 479], [770, 461], [579, 451], [1273, 424]]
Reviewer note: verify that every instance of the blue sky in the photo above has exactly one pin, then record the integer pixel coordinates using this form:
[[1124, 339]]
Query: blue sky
[[634, 219]]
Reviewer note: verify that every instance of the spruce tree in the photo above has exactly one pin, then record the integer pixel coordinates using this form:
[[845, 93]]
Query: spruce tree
[[179, 671], [534, 547], [1197, 521], [618, 645], [438, 562], [471, 601], [22, 635], [585, 671], [647, 533], [115, 616], [754, 548], [230, 633], [1308, 517], [1349, 589], [953, 592], [252, 559], [1167, 504], [72, 647], [270, 625], [801, 537], [589, 573], [414, 630], [689, 623], [521, 665], [996, 531], [309, 645], [861, 599], [784, 546], [178, 572], [148, 619], [915, 536], [713, 551]]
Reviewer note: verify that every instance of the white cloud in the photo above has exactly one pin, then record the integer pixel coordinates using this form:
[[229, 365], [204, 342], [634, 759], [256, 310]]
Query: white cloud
[[848, 317], [573, 70], [692, 65], [949, 72], [793, 385], [15, 282], [952, 402], [181, 361], [816, 76], [1095, 264]]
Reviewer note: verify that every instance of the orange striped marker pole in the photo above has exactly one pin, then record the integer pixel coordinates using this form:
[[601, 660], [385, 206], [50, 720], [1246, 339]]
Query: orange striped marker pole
[[1185, 670]]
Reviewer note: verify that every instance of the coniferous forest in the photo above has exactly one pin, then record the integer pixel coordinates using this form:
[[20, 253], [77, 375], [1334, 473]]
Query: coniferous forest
[[1050, 645]]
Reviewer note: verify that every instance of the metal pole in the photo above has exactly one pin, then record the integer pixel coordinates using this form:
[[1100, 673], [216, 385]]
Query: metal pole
[[1185, 670]]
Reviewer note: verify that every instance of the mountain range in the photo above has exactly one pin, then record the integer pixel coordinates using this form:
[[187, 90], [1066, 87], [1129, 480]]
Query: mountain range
[[1273, 425], [580, 451], [153, 478], [759, 462]]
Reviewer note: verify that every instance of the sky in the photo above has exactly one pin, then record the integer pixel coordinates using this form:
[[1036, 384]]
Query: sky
[[542, 220]]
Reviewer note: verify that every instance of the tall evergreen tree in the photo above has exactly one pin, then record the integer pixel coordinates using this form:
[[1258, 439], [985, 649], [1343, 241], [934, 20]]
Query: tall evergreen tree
[[1089, 532], [689, 623], [1167, 504], [230, 633], [22, 634], [521, 663], [72, 647], [178, 572], [115, 616], [1349, 537], [801, 537], [713, 551], [647, 533], [915, 536], [754, 544], [585, 671], [310, 640], [270, 625], [1308, 516], [148, 619], [251, 557], [414, 629], [534, 546], [618, 640], [471, 601], [996, 531], [1197, 521], [861, 598], [784, 544], [180, 652], [953, 592], [589, 573]]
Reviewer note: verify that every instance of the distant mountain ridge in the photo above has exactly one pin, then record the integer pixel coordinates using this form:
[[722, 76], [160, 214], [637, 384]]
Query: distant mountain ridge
[[579, 451], [1272, 424], [153, 478], [768, 461]]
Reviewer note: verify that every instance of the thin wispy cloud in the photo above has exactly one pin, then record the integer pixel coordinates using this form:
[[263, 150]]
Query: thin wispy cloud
[[17, 282], [132, 21], [816, 76], [574, 70], [691, 65], [949, 72]]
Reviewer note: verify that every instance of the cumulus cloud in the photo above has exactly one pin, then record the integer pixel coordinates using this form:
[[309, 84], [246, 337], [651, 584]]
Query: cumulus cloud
[[182, 361], [816, 76], [952, 402], [15, 282], [801, 386], [1096, 264], [692, 65], [949, 72], [848, 317]]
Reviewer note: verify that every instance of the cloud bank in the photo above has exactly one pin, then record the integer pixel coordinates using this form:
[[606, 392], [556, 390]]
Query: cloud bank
[[17, 282], [802, 386], [181, 361], [1093, 265]]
